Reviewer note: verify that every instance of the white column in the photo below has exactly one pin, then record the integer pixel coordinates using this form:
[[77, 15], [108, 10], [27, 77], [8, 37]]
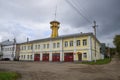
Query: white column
[[61, 56], [41, 56], [50, 56], [32, 45], [74, 55], [90, 48], [41, 52], [50, 45], [33, 56], [61, 50], [50, 51]]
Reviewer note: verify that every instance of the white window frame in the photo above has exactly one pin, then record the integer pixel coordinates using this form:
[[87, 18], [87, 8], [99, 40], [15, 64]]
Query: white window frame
[[78, 43], [54, 45], [71, 43], [85, 55], [66, 44], [58, 44], [84, 42]]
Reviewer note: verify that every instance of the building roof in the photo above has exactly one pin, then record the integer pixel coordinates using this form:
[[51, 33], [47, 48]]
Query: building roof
[[61, 37], [7, 43]]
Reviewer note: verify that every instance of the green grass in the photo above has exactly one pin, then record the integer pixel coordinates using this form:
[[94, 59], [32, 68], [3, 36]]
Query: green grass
[[99, 62], [9, 76]]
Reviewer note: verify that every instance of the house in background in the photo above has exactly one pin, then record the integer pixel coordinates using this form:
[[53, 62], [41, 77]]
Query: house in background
[[103, 50], [8, 49], [0, 51]]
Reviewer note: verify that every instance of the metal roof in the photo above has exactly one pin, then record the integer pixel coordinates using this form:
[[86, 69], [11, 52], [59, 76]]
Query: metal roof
[[7, 43], [61, 37]]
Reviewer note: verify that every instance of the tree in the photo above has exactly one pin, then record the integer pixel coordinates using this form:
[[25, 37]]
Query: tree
[[112, 52], [117, 43]]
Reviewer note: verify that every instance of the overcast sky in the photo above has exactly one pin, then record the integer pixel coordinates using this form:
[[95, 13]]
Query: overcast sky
[[31, 18]]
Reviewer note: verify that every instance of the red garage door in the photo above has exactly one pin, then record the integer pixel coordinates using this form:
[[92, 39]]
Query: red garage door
[[68, 57], [37, 57], [45, 57], [56, 57]]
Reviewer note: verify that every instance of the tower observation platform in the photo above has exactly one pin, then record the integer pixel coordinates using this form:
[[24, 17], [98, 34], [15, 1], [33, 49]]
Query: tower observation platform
[[54, 26]]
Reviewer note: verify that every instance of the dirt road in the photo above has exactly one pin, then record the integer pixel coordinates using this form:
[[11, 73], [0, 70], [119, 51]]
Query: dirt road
[[63, 71]]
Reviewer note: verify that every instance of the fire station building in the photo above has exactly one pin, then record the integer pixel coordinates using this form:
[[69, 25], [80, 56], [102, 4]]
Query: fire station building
[[73, 47]]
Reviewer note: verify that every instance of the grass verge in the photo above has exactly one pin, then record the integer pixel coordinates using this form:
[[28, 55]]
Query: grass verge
[[9, 75], [99, 62]]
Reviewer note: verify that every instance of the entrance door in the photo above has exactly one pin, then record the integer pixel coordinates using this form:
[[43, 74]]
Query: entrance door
[[56, 57], [45, 57], [37, 57], [79, 57]]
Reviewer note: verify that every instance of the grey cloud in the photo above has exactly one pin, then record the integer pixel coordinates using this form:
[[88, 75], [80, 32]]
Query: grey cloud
[[22, 12]]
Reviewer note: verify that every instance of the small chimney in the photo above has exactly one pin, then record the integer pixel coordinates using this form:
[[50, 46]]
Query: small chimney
[[14, 40], [27, 39]]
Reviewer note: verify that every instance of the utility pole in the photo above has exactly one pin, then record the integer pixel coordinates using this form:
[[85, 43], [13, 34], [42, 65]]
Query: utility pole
[[94, 27]]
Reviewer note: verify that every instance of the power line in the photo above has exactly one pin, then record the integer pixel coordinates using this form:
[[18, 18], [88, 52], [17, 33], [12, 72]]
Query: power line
[[77, 10], [82, 9]]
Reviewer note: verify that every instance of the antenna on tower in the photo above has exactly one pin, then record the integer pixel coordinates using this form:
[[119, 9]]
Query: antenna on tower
[[56, 9]]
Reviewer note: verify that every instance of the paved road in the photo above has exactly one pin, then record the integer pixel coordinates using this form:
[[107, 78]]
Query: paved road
[[63, 71]]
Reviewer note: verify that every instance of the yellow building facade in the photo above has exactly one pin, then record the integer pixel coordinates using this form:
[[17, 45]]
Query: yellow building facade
[[74, 47]]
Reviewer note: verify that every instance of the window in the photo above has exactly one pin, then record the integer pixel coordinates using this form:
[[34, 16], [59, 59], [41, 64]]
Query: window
[[78, 42], [84, 42], [20, 47], [24, 56], [54, 45], [11, 48], [24, 47], [47, 45], [35, 46], [58, 45], [38, 46], [31, 47], [71, 43], [28, 47], [66, 43], [44, 46], [27, 56], [31, 56], [21, 56], [85, 55]]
